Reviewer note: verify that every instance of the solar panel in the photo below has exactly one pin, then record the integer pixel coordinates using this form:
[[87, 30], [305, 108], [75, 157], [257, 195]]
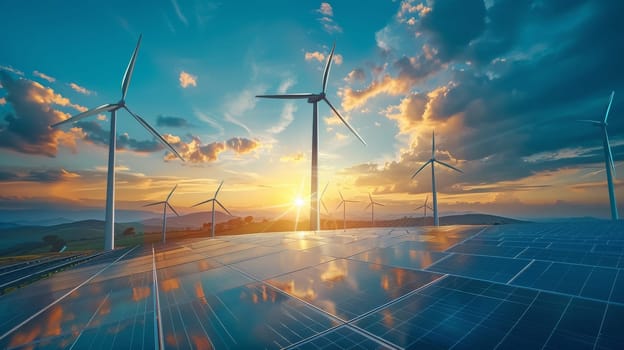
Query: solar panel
[[552, 286]]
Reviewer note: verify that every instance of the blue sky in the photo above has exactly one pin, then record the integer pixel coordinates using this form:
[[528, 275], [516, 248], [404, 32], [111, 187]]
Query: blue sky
[[501, 82]]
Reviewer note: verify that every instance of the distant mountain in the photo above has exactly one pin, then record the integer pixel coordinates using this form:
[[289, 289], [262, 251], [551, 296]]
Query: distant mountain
[[193, 221]]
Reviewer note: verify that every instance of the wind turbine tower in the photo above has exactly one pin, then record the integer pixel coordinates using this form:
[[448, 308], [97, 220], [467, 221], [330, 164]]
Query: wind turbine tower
[[343, 203], [164, 219], [372, 205], [314, 99], [609, 164], [432, 161], [109, 220], [214, 200]]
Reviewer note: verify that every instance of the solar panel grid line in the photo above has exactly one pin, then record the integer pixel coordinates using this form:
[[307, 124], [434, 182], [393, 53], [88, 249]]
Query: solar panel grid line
[[159, 341], [25, 265], [397, 300], [518, 321], [62, 297], [557, 324], [373, 337], [520, 272], [313, 337], [522, 251], [90, 320], [440, 260], [604, 315]]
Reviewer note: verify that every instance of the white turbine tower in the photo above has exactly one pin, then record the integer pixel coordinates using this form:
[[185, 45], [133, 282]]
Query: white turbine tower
[[109, 220], [372, 205], [314, 99], [214, 200], [165, 204], [609, 164], [432, 161], [343, 203], [425, 206]]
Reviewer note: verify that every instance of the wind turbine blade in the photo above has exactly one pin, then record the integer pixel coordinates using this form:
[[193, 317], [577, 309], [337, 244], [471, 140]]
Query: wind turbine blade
[[155, 133], [449, 166], [218, 189], [419, 207], [341, 197], [421, 168], [370, 197], [288, 96], [200, 203], [340, 204], [611, 163], [429, 207], [157, 203], [349, 201], [377, 203], [433, 145], [222, 207], [324, 206], [609, 107], [173, 210], [426, 199], [170, 193], [344, 121], [103, 108], [328, 67], [368, 206], [129, 70], [595, 122], [324, 189]]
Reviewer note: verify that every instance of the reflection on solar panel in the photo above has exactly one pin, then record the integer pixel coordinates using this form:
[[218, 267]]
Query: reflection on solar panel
[[552, 286]]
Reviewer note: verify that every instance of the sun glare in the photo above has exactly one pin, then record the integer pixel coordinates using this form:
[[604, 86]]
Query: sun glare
[[299, 202]]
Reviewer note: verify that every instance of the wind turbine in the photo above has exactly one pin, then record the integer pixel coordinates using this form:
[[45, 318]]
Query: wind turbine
[[214, 200], [609, 164], [372, 206], [425, 206], [109, 220], [164, 220], [314, 99], [343, 203], [432, 161]]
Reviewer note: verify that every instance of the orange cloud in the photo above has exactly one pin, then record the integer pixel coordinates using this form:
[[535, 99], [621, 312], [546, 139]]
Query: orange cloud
[[196, 152], [80, 89], [352, 99], [295, 157], [187, 80], [44, 76], [309, 56]]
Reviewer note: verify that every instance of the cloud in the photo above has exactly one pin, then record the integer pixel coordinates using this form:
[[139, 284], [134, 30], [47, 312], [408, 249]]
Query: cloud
[[187, 80], [356, 75], [315, 56], [170, 121], [326, 9], [33, 175], [286, 117], [179, 13], [352, 99], [295, 157], [94, 133], [12, 70], [196, 152], [44, 76], [285, 85], [2, 101], [27, 128], [327, 20], [80, 89]]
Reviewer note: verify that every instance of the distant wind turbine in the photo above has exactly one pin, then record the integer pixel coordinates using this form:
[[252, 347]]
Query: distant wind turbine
[[609, 164], [164, 220], [425, 206], [314, 99], [109, 225], [321, 198], [214, 200], [432, 161], [372, 205], [343, 203]]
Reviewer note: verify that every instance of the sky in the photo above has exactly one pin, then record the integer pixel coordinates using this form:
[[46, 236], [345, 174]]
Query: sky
[[502, 83]]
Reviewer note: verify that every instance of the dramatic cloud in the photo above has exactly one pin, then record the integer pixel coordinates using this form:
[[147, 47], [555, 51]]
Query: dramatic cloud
[[80, 89], [32, 175], [196, 152], [352, 99], [173, 122], [44, 76], [94, 133], [187, 80], [357, 75], [27, 128]]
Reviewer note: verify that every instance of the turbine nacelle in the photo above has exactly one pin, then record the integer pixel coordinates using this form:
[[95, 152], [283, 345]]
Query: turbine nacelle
[[316, 98]]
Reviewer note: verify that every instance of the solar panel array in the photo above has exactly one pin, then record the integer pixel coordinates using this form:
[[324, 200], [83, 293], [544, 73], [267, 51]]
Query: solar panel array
[[551, 286]]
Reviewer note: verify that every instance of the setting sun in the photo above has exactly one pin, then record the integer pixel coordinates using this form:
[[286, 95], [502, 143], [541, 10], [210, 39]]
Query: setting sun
[[299, 202]]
